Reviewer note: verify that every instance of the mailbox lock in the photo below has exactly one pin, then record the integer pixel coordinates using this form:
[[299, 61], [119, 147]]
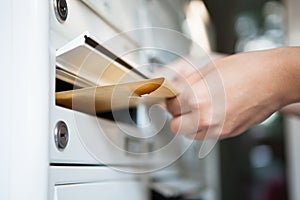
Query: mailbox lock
[[61, 135], [61, 10]]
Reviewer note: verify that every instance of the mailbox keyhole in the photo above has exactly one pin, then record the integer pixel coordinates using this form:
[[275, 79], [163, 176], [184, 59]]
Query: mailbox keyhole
[[61, 10], [61, 135]]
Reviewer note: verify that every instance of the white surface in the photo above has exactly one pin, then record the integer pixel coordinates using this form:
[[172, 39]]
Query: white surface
[[105, 190], [5, 104], [116, 13], [98, 141], [86, 62], [62, 175], [293, 149], [213, 176], [293, 24], [94, 183], [24, 108], [292, 123]]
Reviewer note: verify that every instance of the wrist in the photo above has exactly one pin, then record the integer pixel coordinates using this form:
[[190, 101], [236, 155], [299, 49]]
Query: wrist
[[288, 74]]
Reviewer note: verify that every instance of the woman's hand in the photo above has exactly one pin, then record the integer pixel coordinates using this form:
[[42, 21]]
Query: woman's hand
[[228, 96]]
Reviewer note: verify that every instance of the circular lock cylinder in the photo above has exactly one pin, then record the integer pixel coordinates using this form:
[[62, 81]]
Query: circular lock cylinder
[[61, 135], [61, 10]]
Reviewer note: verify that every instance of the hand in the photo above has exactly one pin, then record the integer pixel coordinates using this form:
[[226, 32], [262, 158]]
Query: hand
[[228, 96]]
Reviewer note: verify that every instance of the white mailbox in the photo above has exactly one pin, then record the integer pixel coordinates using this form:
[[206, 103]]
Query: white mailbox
[[48, 151]]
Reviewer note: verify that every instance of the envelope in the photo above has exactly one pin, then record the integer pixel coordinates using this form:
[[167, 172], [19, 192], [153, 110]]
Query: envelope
[[99, 99]]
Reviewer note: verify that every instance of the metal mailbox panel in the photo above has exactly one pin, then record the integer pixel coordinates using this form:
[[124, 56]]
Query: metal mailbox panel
[[103, 190]]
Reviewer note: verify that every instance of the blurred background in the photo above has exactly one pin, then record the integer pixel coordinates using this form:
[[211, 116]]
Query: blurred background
[[253, 165]]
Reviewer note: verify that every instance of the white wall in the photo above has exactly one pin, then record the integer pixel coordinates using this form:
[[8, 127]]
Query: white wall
[[24, 109]]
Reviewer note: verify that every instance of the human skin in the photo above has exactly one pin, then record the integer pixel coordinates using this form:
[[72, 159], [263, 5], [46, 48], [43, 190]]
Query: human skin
[[253, 85]]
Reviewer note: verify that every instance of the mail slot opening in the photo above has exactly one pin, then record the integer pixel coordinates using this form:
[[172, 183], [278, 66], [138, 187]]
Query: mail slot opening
[[61, 86], [122, 115], [92, 79]]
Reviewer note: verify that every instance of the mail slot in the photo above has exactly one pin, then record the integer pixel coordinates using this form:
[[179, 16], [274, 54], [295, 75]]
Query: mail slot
[[106, 78]]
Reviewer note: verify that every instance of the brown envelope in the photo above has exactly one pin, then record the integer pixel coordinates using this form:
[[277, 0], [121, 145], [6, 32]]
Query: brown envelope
[[112, 97]]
